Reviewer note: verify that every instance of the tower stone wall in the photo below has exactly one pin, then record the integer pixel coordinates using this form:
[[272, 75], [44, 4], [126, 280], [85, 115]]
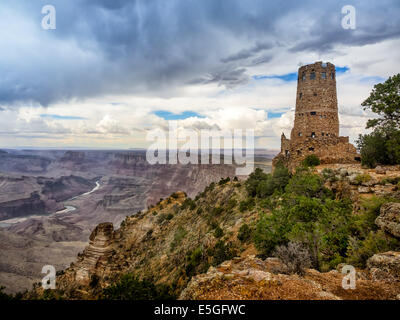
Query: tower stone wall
[[316, 123]]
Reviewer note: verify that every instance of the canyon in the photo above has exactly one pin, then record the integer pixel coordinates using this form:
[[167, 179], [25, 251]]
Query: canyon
[[51, 200]]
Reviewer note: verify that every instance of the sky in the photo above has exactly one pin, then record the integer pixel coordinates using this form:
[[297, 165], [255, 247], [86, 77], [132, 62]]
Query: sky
[[111, 71]]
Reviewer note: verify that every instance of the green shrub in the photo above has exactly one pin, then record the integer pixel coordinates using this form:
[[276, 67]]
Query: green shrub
[[169, 216], [188, 203], [130, 287], [362, 178], [216, 211], [392, 180], [360, 251], [222, 252], [244, 233], [329, 175], [253, 181], [247, 205], [193, 260], [262, 185], [379, 147], [231, 204], [280, 177], [175, 195], [321, 225], [199, 211], [180, 234], [305, 183], [266, 203], [224, 181], [218, 232], [311, 161]]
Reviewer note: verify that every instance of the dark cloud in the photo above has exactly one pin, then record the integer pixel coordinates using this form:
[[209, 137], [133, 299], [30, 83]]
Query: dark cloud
[[247, 53], [153, 47], [226, 77]]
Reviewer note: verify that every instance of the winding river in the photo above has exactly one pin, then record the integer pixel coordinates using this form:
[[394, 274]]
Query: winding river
[[10, 222]]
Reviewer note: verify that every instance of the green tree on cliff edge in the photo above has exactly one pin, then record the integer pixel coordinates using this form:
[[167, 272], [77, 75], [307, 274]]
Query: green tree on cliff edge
[[382, 145]]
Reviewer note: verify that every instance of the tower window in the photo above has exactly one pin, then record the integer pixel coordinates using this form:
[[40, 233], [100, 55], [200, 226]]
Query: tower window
[[313, 113], [312, 134], [303, 76], [311, 149], [286, 152], [312, 75], [332, 75], [315, 94], [300, 134], [323, 75], [300, 95], [322, 134]]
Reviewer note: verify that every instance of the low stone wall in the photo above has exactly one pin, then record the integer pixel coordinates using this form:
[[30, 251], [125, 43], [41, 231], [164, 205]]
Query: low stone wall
[[328, 150]]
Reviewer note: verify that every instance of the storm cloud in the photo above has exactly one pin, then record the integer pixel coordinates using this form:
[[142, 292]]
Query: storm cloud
[[152, 48]]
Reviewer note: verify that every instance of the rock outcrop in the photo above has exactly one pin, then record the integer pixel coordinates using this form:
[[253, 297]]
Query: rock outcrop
[[253, 278], [389, 218], [96, 254], [385, 266]]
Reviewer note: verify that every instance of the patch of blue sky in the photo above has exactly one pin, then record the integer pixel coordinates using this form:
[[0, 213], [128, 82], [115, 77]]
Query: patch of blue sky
[[284, 77], [373, 79], [59, 117], [167, 115], [340, 70], [272, 115]]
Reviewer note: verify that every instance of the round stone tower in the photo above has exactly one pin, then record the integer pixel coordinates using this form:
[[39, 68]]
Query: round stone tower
[[316, 121], [316, 112]]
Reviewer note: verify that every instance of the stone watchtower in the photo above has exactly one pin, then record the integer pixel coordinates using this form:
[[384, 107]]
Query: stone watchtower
[[316, 123]]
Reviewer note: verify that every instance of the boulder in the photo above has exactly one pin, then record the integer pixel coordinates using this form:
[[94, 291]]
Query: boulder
[[389, 218], [364, 189], [343, 172], [380, 170], [353, 178], [385, 266]]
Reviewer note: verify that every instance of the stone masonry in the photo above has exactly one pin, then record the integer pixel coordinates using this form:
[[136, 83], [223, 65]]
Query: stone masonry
[[316, 123]]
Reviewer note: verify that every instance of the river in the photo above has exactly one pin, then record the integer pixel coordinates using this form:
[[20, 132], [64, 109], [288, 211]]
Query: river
[[10, 222]]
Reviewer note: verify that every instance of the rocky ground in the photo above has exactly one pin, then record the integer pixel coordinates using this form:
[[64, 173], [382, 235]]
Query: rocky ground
[[252, 278]]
